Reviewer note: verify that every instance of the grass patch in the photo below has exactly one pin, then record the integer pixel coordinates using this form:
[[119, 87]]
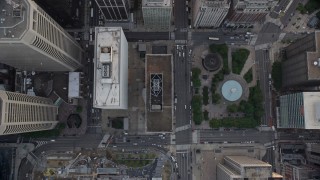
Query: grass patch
[[216, 98], [248, 76], [205, 115], [197, 109], [221, 49], [196, 77], [239, 58], [205, 95], [276, 75]]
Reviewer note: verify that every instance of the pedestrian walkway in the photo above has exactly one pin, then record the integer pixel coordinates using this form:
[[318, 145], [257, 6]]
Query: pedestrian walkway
[[40, 143], [182, 128]]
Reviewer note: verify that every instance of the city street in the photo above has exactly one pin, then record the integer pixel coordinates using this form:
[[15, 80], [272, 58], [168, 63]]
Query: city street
[[264, 69], [237, 136], [183, 160]]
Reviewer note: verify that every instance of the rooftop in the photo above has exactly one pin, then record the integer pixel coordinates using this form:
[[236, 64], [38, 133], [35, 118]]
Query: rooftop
[[313, 60], [156, 3], [311, 110], [246, 161], [13, 18], [108, 65], [159, 92]]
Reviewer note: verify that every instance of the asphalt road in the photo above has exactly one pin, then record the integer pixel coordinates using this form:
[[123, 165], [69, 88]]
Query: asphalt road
[[184, 168], [146, 36], [264, 69], [199, 38], [236, 136], [268, 34], [286, 18], [181, 20]]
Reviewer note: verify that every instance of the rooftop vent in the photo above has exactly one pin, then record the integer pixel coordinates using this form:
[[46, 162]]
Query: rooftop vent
[[317, 62]]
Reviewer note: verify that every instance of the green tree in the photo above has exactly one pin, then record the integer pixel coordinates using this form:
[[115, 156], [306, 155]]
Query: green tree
[[216, 98], [205, 95], [276, 75], [205, 115], [232, 108]]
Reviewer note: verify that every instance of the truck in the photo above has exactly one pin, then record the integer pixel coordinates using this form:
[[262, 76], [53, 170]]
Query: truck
[[91, 12], [214, 38]]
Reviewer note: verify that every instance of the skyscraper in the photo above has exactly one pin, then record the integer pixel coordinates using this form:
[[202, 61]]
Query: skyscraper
[[157, 14], [114, 10], [299, 110], [301, 65], [210, 13], [31, 40], [248, 12], [110, 90], [22, 113]]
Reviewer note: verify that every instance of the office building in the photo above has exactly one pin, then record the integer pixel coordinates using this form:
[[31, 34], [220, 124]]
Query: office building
[[301, 64], [300, 171], [114, 10], [110, 69], [313, 154], [299, 110], [243, 167], [31, 40], [248, 12], [157, 14], [209, 13], [21, 113]]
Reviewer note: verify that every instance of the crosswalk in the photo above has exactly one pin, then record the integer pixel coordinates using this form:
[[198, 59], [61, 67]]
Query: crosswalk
[[40, 143]]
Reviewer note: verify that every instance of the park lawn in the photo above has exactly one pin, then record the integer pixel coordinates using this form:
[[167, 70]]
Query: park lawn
[[248, 76], [239, 58], [221, 49]]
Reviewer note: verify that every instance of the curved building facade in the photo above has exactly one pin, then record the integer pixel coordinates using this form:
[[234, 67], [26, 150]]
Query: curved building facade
[[22, 113], [31, 40]]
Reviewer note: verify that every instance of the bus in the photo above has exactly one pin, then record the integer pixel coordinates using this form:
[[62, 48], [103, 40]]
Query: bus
[[214, 38], [91, 12]]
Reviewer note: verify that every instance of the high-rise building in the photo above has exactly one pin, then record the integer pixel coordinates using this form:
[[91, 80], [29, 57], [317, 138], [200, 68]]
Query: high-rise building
[[300, 171], [243, 167], [110, 69], [114, 10], [210, 13], [22, 113], [157, 14], [301, 64], [248, 12], [299, 110], [31, 40]]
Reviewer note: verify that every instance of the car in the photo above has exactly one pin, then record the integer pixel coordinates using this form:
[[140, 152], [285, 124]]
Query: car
[[185, 106], [175, 108], [226, 129], [190, 107]]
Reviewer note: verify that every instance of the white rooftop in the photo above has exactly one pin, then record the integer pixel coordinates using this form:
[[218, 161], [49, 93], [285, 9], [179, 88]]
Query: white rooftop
[[110, 68], [156, 3], [74, 85], [311, 102]]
